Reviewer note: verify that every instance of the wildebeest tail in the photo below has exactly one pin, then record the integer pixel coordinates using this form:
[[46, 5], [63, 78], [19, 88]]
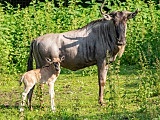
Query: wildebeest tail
[[30, 59]]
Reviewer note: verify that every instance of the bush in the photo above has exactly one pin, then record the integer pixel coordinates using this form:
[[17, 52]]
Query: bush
[[20, 26]]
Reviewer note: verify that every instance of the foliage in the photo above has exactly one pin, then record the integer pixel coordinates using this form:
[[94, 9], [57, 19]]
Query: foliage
[[20, 26], [143, 36]]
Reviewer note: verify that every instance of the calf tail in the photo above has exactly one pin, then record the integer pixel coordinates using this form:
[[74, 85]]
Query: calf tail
[[21, 80], [30, 59]]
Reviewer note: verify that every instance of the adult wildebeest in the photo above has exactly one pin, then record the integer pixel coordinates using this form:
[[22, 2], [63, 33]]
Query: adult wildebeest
[[89, 45]]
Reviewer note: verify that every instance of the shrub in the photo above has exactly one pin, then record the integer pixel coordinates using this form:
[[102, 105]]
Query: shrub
[[20, 26]]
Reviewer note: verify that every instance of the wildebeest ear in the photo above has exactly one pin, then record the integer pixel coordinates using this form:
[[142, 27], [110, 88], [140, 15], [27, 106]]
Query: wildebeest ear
[[132, 14], [107, 16], [113, 14], [62, 58]]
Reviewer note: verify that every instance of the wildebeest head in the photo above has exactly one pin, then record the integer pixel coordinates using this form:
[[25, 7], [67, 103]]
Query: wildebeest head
[[120, 20]]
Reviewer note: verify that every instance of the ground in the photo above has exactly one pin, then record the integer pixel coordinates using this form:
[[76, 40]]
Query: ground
[[128, 95]]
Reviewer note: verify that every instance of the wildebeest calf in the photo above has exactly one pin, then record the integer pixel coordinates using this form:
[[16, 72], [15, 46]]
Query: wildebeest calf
[[47, 74]]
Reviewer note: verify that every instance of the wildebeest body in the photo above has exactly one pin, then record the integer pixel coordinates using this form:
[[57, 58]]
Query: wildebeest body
[[81, 48]]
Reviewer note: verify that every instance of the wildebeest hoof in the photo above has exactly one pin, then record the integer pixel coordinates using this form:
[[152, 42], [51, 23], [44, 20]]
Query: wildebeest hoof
[[31, 108], [103, 104], [53, 109]]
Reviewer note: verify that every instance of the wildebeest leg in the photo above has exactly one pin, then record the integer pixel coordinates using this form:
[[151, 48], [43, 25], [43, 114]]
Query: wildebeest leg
[[51, 92], [29, 98], [39, 64], [41, 87], [102, 72]]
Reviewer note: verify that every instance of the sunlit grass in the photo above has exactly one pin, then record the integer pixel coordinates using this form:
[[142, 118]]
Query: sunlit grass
[[77, 98]]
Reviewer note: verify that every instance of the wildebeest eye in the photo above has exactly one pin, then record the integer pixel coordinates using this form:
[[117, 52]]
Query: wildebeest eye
[[124, 19], [115, 21]]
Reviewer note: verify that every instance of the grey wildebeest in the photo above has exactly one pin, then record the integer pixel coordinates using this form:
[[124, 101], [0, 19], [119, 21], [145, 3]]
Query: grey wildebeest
[[47, 74], [85, 46]]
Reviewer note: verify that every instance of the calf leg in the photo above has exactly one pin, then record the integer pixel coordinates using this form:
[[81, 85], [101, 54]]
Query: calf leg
[[102, 72], [24, 95], [51, 92], [29, 98]]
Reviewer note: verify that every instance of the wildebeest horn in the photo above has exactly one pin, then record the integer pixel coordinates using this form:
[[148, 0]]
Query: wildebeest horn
[[105, 15], [101, 9]]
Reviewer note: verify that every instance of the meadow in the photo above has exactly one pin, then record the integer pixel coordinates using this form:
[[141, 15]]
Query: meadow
[[132, 91], [129, 95]]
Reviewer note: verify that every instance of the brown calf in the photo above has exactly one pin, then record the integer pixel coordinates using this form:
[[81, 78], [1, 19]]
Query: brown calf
[[47, 74]]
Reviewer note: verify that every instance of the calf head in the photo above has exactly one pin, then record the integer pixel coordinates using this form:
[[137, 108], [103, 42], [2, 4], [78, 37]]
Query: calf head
[[55, 62]]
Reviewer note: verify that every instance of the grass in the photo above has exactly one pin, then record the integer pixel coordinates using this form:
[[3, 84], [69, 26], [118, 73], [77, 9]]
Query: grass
[[77, 98]]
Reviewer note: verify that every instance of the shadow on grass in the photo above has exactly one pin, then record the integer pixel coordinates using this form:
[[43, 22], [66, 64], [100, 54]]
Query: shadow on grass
[[62, 114], [104, 116], [7, 106]]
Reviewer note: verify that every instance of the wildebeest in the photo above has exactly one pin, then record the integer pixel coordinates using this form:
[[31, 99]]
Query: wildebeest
[[90, 45], [47, 74]]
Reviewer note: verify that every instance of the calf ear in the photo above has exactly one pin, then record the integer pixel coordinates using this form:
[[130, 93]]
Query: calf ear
[[132, 15], [62, 58], [48, 59]]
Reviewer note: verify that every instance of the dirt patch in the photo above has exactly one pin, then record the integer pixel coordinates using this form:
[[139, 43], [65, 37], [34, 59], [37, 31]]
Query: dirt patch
[[9, 99]]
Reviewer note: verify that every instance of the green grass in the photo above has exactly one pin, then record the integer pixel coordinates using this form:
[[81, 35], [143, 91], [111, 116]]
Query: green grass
[[77, 97]]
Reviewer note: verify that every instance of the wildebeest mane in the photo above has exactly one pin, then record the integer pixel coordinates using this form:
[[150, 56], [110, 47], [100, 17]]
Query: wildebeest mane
[[92, 23], [105, 33]]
